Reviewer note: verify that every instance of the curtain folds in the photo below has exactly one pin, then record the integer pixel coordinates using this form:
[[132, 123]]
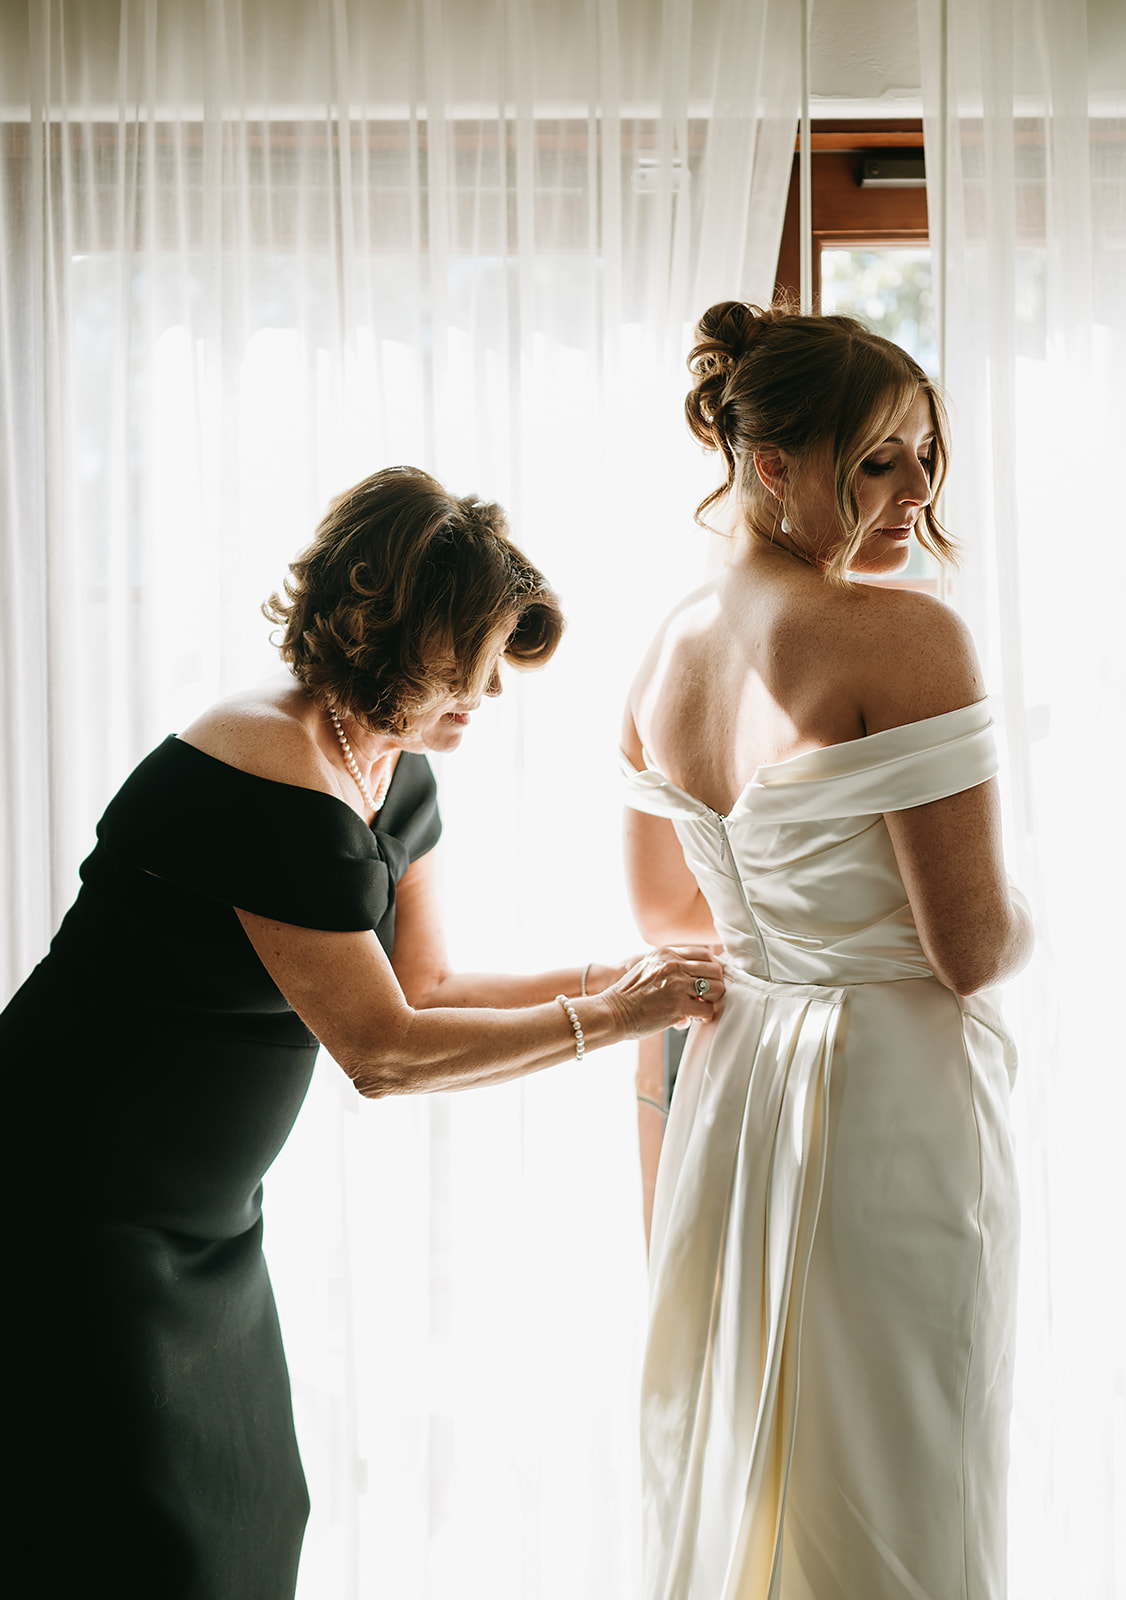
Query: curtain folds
[[250, 250], [1026, 157]]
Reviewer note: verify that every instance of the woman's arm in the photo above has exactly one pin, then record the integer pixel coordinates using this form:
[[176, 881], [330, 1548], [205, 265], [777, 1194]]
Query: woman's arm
[[668, 906], [422, 966], [973, 931], [344, 989]]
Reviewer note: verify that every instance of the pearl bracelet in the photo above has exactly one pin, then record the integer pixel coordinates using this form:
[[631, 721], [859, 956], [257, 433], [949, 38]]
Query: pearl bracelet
[[573, 1019]]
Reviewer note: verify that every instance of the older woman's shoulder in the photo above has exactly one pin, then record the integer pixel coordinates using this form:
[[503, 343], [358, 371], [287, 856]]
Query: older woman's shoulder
[[271, 732]]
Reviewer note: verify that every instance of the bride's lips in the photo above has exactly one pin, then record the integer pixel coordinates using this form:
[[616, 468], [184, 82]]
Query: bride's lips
[[461, 718], [903, 532]]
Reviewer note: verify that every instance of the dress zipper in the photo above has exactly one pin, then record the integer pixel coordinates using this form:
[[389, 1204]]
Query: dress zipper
[[721, 822]]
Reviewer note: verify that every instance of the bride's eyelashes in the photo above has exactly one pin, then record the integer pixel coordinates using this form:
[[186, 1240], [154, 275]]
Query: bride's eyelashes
[[876, 469]]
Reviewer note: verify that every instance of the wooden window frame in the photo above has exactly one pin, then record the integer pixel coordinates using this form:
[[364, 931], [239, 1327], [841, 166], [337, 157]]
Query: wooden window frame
[[843, 213]]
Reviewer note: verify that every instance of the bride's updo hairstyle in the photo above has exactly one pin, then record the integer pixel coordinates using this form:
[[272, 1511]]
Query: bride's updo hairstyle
[[773, 379], [398, 601]]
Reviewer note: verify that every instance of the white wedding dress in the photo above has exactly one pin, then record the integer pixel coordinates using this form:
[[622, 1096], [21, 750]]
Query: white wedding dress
[[833, 1267]]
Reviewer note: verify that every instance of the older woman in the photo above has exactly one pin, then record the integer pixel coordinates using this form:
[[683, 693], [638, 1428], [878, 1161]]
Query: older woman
[[262, 882], [811, 782]]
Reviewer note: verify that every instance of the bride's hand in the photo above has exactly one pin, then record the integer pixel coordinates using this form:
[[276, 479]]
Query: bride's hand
[[660, 990]]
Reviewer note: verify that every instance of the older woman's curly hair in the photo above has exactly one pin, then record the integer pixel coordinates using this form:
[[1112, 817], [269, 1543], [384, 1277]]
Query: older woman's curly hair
[[399, 601]]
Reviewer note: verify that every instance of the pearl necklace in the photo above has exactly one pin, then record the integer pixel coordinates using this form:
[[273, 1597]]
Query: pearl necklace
[[374, 802]]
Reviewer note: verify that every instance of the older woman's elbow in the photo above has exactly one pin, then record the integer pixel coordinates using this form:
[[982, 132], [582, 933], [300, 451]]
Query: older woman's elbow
[[375, 1084], [379, 1071], [369, 1076]]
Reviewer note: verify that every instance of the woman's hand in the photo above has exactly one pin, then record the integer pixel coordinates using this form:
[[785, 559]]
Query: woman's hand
[[660, 991], [343, 987]]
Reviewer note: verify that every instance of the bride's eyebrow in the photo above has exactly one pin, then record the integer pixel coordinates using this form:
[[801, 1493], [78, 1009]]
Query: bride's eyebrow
[[893, 438]]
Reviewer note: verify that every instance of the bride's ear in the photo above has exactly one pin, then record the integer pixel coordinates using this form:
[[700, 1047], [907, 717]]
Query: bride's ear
[[771, 468]]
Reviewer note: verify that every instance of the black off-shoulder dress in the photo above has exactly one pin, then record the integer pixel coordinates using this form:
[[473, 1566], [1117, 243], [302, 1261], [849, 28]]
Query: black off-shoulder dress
[[151, 1071]]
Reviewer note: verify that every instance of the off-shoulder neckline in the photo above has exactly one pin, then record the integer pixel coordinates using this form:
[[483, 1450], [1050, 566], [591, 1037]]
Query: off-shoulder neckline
[[884, 735], [790, 767], [278, 783]]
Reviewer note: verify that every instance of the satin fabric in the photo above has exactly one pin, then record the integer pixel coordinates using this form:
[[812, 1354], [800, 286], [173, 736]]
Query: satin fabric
[[833, 1266]]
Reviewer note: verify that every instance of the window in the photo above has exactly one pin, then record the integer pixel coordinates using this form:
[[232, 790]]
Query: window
[[871, 250], [845, 213]]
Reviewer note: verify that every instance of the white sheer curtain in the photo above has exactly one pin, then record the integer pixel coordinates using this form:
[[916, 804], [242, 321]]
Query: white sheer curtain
[[249, 251], [1026, 157]]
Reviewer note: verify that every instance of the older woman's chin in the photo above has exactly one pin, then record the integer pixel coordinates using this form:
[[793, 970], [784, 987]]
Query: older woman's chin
[[437, 737]]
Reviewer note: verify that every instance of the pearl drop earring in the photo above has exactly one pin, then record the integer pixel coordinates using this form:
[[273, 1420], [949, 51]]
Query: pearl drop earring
[[786, 525]]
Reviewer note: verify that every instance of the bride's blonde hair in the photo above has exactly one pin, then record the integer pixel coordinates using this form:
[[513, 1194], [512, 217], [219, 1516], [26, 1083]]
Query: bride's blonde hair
[[774, 379]]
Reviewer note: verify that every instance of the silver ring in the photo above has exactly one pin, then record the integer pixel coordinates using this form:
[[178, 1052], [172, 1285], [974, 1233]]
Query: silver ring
[[701, 987]]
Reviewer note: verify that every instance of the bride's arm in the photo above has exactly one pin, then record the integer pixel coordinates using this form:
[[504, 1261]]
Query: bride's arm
[[422, 966], [667, 903], [974, 928]]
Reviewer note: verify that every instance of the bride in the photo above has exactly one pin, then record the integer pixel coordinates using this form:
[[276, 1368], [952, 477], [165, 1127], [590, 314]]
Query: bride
[[811, 783]]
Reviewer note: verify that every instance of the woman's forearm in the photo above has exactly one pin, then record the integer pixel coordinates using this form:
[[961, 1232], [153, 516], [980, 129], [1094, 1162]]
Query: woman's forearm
[[447, 1048], [506, 990], [346, 992]]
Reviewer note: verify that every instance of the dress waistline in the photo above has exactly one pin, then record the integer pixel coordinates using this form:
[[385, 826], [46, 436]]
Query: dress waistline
[[832, 992]]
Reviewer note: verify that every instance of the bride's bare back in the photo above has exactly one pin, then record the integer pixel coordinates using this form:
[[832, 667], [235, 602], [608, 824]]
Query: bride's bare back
[[770, 661], [735, 681]]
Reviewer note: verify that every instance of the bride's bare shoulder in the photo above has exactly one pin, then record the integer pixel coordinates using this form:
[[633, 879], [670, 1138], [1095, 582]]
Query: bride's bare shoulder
[[914, 657], [689, 620], [269, 731], [672, 649]]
